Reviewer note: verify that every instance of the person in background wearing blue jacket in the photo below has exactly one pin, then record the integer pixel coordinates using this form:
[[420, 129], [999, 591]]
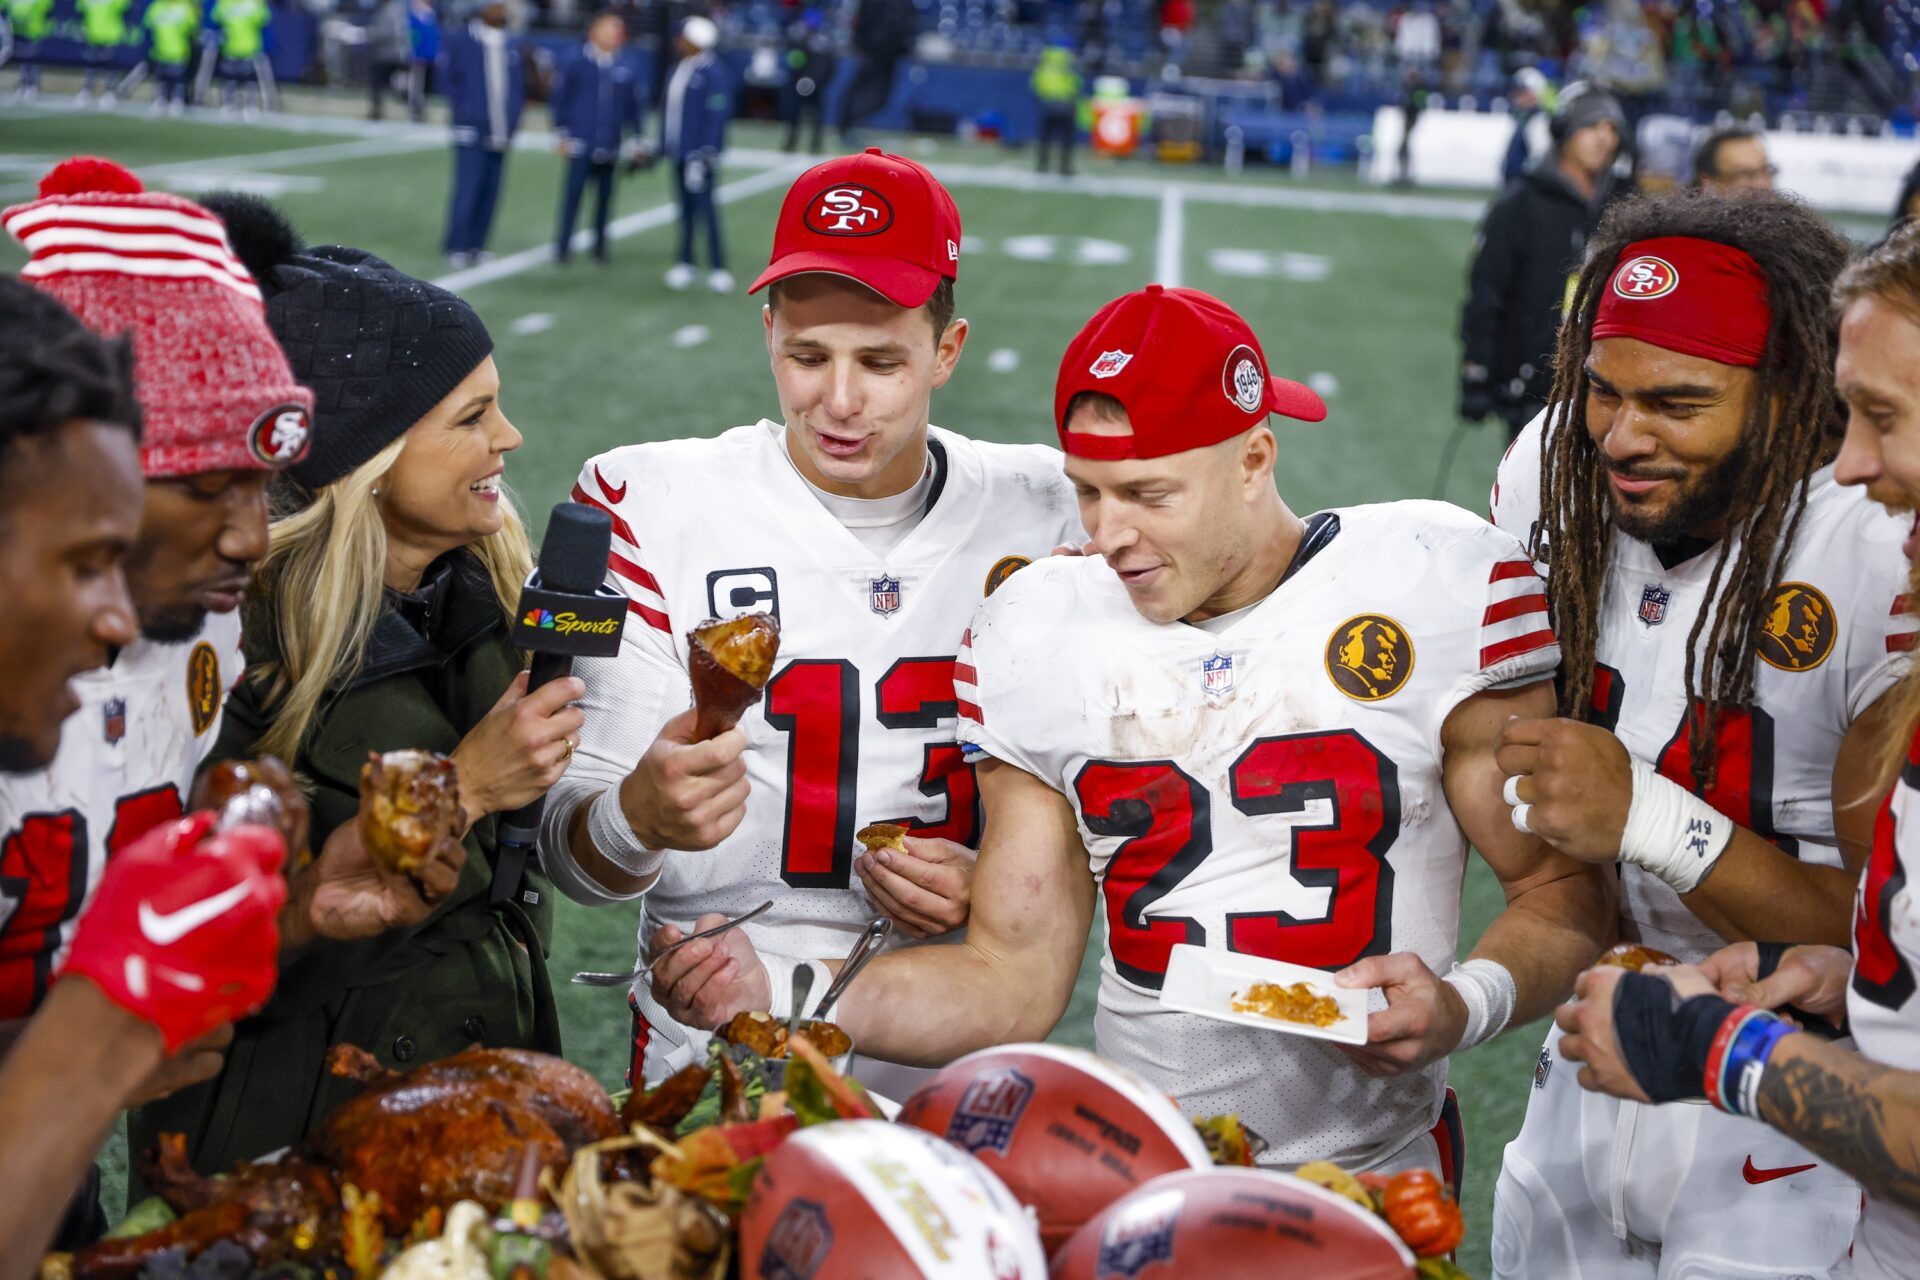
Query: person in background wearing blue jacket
[[486, 90], [693, 130], [423, 29], [596, 106]]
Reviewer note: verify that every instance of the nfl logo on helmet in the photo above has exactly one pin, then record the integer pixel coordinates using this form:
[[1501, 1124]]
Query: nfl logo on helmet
[[1653, 604], [1135, 1240], [989, 1110], [884, 593], [1216, 675]]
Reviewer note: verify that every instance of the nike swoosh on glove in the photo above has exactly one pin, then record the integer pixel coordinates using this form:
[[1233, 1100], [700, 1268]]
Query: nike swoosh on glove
[[183, 932]]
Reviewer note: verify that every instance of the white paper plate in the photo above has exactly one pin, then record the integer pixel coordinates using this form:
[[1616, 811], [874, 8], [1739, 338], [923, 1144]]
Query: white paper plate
[[1204, 981]]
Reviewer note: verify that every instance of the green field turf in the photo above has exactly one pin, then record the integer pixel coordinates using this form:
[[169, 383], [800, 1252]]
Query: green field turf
[[1361, 296]]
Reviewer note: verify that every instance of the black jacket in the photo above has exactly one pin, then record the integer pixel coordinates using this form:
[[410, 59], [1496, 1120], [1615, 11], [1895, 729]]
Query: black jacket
[[1527, 248]]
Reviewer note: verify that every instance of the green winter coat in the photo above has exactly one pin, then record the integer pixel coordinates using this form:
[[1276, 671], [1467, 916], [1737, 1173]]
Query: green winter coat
[[241, 22], [104, 21], [30, 19], [473, 972], [172, 25]]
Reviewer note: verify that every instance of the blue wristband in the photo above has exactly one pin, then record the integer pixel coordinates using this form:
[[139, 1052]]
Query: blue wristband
[[1739, 1059]]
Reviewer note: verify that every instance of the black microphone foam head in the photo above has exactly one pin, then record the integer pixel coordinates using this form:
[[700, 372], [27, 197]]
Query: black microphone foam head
[[573, 556]]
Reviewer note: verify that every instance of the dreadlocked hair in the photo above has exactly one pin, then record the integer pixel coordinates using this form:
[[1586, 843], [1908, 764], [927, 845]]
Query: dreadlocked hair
[[1793, 430]]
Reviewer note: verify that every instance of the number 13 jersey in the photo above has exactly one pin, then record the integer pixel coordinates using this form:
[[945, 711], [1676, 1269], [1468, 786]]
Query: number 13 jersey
[[1273, 787], [857, 722]]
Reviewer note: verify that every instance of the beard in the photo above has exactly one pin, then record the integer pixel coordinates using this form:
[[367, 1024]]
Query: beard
[[175, 625], [21, 755], [1703, 501]]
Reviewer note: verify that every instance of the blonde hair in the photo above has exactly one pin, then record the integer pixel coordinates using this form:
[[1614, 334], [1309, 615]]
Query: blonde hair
[[1891, 274], [324, 578]]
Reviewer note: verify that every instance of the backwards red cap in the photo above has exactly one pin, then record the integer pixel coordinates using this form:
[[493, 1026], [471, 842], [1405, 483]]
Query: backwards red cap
[[879, 219], [1698, 297], [1187, 368]]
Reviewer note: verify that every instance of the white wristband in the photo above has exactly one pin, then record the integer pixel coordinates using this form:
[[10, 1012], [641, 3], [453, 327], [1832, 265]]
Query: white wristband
[[1671, 832], [780, 985], [613, 836], [1488, 990]]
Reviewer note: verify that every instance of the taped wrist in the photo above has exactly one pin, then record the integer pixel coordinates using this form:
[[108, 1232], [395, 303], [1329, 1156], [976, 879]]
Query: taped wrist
[[1664, 1040], [1488, 990], [613, 836], [1671, 832]]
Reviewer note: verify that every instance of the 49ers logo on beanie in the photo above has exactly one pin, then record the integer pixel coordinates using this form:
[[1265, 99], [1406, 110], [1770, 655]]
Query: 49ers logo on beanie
[[214, 387], [1645, 277], [849, 210], [280, 436], [1244, 381]]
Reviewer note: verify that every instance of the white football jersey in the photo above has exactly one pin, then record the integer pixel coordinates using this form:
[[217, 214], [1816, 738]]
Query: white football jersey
[[1272, 788], [857, 723], [1835, 639], [126, 763], [1882, 1013]]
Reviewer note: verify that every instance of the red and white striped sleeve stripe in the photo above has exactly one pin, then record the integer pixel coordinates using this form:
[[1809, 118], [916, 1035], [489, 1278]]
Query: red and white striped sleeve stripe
[[644, 597], [64, 237], [1903, 628], [1515, 622], [966, 691]]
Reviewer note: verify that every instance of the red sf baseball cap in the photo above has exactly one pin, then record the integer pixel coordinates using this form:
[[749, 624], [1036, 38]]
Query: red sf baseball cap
[[1187, 368], [878, 219]]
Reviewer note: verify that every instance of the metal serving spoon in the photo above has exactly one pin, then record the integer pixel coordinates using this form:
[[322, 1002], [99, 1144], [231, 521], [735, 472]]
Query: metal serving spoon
[[628, 979]]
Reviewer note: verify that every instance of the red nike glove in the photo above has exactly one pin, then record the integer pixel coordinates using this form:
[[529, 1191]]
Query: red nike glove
[[183, 930]]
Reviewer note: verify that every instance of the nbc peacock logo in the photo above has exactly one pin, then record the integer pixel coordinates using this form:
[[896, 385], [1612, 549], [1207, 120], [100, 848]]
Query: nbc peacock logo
[[537, 617]]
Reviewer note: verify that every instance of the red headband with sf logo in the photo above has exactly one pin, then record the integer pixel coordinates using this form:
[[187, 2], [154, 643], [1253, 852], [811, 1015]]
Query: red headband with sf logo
[[1698, 297]]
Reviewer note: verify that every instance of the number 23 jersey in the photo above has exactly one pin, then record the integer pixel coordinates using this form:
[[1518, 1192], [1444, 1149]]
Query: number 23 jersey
[[1272, 788]]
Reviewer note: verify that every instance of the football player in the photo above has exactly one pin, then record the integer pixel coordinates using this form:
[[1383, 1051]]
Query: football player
[[1730, 618], [221, 412], [870, 536], [1636, 1036], [70, 497], [1258, 734]]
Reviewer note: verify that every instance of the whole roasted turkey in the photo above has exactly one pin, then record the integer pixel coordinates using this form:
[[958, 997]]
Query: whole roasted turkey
[[456, 1129]]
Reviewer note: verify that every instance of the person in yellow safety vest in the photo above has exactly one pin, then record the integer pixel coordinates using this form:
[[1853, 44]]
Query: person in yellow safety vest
[[103, 26], [1057, 86], [242, 24]]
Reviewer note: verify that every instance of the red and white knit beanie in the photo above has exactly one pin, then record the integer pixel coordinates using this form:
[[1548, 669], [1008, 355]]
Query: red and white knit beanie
[[214, 387]]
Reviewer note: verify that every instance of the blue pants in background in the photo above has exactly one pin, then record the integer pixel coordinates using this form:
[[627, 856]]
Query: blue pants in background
[[476, 190], [693, 188], [580, 171]]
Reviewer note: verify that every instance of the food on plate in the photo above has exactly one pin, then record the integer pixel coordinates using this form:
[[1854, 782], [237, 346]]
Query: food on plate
[[1067, 1132], [1234, 1224], [1228, 1141], [729, 663], [409, 803], [1294, 1002], [1417, 1207], [259, 790], [766, 1035], [883, 835], [866, 1198], [1631, 955]]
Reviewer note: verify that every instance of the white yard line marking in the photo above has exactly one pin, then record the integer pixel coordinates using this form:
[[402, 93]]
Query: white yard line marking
[[1173, 236], [690, 336], [536, 322], [1003, 360], [631, 224]]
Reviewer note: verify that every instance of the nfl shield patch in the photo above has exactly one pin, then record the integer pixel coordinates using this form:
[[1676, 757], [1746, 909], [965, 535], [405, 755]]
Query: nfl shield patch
[[1542, 1069], [884, 594], [115, 716], [1653, 604], [1216, 675], [1110, 363]]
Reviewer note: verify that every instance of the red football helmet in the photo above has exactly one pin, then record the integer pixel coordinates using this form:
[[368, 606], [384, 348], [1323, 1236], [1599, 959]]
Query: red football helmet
[[868, 1198], [1234, 1224], [1069, 1133]]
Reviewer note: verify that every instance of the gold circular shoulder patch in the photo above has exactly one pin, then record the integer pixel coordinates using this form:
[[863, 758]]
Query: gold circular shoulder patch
[[1003, 568], [1797, 630], [1369, 657], [203, 686]]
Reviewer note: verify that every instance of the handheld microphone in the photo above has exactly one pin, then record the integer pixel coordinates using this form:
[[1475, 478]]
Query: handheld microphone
[[565, 612]]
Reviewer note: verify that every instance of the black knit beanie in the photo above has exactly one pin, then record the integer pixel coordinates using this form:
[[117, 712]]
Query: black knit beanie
[[378, 347]]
